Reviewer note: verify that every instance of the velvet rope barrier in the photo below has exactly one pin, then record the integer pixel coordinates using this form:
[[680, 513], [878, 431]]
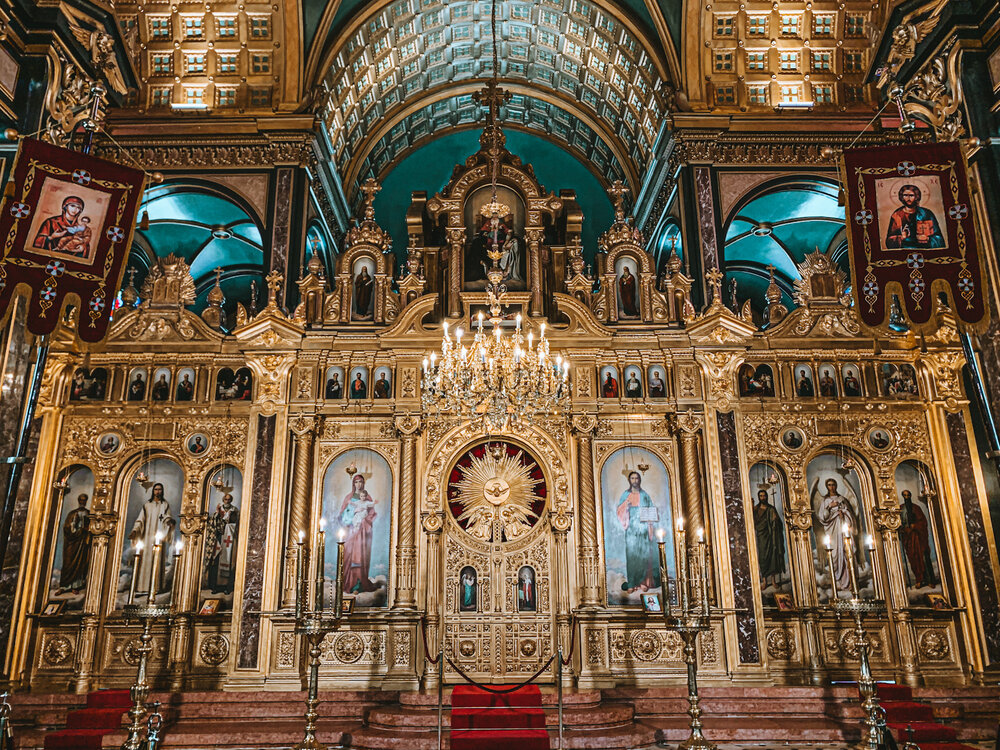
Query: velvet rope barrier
[[427, 651], [501, 691], [572, 642]]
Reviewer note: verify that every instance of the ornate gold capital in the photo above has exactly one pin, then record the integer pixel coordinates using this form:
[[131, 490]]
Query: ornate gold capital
[[432, 522], [584, 424], [887, 519], [946, 367], [302, 425], [408, 424], [688, 422]]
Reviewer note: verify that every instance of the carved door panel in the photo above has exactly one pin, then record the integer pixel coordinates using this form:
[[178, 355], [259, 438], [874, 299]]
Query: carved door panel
[[498, 608], [509, 633]]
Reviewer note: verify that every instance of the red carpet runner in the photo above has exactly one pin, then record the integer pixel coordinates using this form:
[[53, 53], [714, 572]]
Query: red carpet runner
[[485, 721], [86, 728], [902, 712]]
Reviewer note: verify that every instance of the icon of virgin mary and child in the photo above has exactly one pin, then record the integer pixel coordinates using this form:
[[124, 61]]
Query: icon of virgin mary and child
[[357, 517], [69, 233]]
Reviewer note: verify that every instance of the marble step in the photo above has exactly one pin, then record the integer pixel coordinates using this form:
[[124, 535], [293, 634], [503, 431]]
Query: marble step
[[608, 715]]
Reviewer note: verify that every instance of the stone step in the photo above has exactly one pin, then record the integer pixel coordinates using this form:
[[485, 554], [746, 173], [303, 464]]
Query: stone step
[[550, 697], [607, 715]]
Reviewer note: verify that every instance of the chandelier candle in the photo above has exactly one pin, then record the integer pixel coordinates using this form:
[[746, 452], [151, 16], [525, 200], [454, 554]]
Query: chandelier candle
[[828, 546], [682, 574], [849, 552], [136, 563], [876, 579], [703, 563]]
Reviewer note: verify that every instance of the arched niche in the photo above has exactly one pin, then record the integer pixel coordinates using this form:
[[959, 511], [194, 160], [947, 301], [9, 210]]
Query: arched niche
[[70, 549], [222, 494], [769, 493], [921, 535]]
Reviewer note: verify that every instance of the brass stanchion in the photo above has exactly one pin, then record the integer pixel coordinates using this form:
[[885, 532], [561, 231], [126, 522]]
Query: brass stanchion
[[139, 692]]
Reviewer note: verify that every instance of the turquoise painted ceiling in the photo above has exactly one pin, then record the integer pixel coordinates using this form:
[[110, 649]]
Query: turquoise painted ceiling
[[429, 168], [779, 226], [209, 230]]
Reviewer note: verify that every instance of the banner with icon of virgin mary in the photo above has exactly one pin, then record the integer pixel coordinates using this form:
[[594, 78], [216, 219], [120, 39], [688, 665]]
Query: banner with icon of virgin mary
[[66, 230], [911, 233]]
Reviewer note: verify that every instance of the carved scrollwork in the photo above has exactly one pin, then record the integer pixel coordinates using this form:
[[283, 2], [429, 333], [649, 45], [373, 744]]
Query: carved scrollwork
[[57, 650], [781, 644], [214, 649], [645, 645], [933, 644]]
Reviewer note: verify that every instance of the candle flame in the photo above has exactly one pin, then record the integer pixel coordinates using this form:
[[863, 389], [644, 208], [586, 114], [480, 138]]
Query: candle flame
[[322, 524], [159, 537], [701, 535], [179, 546], [139, 546], [302, 537], [827, 543], [869, 542], [660, 534], [846, 530], [680, 524], [340, 535]]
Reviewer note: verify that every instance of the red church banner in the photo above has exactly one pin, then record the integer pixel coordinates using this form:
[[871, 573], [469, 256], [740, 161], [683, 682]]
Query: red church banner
[[66, 230], [911, 232]]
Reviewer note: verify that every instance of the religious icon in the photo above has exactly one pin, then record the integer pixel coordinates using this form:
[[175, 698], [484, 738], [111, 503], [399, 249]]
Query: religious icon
[[635, 503], [879, 438], [155, 522], [468, 600], [356, 518], [628, 294], [827, 382], [651, 603], [71, 553], [364, 290], [784, 602], [234, 386], [640, 547], [769, 527], [209, 606], [527, 591], [937, 601], [75, 548], [382, 387], [852, 381], [359, 385], [609, 382], [137, 385], [69, 229], [913, 224], [792, 439], [633, 384], [916, 532], [899, 381], [334, 389], [804, 381], [495, 224], [53, 608], [161, 384], [221, 534], [197, 444], [109, 442], [88, 385], [834, 495], [657, 388], [756, 381], [185, 385]]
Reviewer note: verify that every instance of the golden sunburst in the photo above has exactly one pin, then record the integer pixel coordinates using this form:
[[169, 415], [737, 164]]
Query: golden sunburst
[[497, 483]]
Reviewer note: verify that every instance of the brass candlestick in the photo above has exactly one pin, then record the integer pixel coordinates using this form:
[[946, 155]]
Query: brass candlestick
[[314, 624], [139, 692], [688, 618], [858, 608]]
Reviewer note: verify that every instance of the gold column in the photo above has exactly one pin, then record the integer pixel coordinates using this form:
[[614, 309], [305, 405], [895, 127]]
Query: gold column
[[192, 527], [102, 530], [433, 523], [456, 253], [406, 554], [560, 574], [587, 500], [887, 522], [689, 433], [303, 429], [534, 237]]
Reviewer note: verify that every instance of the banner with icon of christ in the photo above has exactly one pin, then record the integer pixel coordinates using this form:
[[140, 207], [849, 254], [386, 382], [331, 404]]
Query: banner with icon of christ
[[912, 233]]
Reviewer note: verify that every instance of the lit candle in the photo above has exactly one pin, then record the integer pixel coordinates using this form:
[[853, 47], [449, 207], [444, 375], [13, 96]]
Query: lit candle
[[664, 578], [339, 600], [828, 545], [320, 564], [154, 580], [136, 564], [703, 563], [682, 576], [849, 552], [876, 583], [298, 574], [175, 584]]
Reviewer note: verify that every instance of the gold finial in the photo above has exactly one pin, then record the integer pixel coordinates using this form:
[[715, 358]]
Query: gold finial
[[274, 280], [618, 192], [715, 277], [216, 295], [370, 188], [773, 293]]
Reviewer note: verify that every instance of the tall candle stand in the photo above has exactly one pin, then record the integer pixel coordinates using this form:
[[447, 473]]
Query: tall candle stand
[[858, 608], [688, 618], [147, 613], [314, 624]]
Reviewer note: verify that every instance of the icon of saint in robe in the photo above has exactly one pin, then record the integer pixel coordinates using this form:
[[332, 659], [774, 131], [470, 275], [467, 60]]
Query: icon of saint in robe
[[627, 294], [364, 286], [609, 388], [76, 548], [836, 513], [640, 549], [527, 593], [914, 534], [334, 388], [155, 520], [770, 539], [357, 517], [467, 595], [221, 535]]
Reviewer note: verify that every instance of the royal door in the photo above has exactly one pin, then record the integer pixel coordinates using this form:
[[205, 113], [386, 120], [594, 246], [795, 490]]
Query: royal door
[[498, 602]]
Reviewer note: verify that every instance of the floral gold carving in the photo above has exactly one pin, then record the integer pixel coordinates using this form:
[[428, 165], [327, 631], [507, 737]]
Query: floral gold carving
[[781, 644], [934, 644], [57, 650], [214, 649], [646, 645], [348, 647]]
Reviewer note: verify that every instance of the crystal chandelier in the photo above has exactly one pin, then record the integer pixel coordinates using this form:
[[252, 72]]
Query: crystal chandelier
[[498, 381]]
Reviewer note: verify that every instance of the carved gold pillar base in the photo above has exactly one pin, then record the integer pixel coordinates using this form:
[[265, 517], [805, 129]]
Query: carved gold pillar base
[[84, 654], [813, 643], [432, 524], [180, 651]]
